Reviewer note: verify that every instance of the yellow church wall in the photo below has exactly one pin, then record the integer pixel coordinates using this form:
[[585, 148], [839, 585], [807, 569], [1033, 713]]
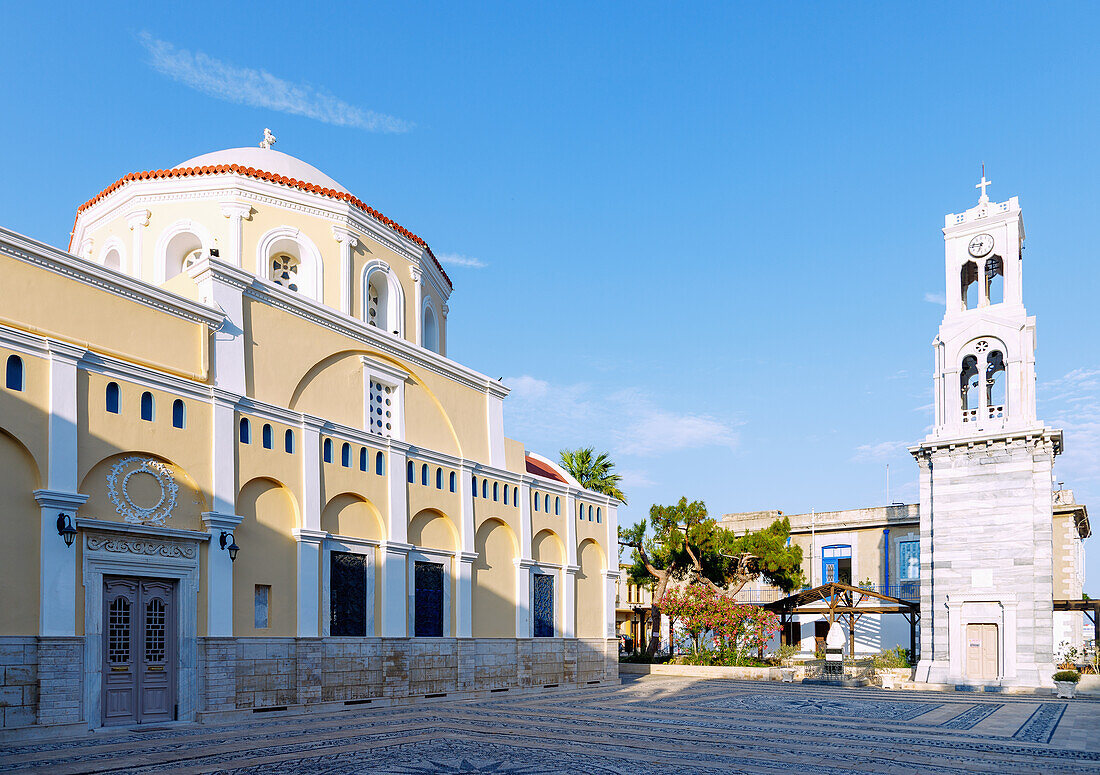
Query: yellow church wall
[[515, 455], [99, 320], [253, 460], [597, 531], [349, 515], [541, 521], [268, 556], [26, 412], [548, 547], [20, 550], [422, 497], [590, 591], [494, 574], [335, 392], [368, 250], [336, 479]]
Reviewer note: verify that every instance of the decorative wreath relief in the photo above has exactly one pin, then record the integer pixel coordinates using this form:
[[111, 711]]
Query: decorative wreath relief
[[118, 487]]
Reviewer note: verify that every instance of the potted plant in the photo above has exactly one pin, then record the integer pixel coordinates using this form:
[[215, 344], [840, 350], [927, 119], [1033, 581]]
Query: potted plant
[[786, 671], [1065, 683]]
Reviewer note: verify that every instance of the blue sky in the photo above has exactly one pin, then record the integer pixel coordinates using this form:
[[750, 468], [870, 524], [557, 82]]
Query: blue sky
[[705, 238]]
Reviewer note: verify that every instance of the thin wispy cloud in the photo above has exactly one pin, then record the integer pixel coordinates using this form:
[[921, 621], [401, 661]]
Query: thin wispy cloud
[[1072, 403], [629, 422], [459, 260], [882, 450], [936, 298], [260, 89]]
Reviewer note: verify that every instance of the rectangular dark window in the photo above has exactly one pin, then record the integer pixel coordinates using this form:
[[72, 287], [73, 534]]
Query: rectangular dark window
[[348, 594], [262, 605], [544, 605], [428, 578]]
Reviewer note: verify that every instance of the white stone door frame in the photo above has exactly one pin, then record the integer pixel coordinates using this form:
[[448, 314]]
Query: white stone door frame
[[361, 546], [439, 557], [978, 608], [120, 549]]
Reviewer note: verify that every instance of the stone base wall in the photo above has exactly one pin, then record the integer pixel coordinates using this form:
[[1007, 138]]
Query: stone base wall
[[40, 681], [257, 673]]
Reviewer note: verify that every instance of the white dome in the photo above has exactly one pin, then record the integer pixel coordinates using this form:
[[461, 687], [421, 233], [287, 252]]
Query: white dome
[[268, 160]]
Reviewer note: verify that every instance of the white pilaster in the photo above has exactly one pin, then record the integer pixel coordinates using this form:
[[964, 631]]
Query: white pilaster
[[418, 297], [347, 239], [224, 452], [397, 515], [221, 286], [237, 213], [464, 597], [137, 220], [571, 528], [393, 579], [466, 506], [62, 469], [219, 575], [610, 583], [523, 596], [569, 600], [57, 566], [309, 582]]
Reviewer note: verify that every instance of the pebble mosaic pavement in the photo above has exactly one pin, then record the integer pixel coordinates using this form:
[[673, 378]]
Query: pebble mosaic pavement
[[648, 726]]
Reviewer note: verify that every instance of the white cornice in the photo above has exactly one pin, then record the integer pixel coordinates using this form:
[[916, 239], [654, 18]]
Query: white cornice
[[1041, 433], [50, 258]]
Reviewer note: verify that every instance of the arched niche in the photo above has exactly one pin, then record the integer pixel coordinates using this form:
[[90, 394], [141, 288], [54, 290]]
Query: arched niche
[[290, 259], [432, 529], [177, 247], [383, 298], [112, 254], [429, 326], [547, 549], [353, 516], [142, 488], [267, 558], [494, 576], [20, 549], [590, 590]]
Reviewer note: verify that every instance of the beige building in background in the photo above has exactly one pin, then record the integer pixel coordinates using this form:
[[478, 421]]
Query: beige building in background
[[241, 474]]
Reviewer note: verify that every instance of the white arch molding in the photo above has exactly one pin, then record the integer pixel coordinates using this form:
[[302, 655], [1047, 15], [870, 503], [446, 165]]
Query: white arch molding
[[291, 240], [168, 238], [116, 246], [395, 296]]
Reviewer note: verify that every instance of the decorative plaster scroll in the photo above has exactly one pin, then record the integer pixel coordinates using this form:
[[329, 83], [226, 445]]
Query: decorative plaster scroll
[[144, 546], [127, 468]]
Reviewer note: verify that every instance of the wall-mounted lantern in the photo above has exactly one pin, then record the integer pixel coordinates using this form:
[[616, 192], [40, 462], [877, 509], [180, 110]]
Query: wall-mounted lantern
[[230, 545], [65, 528]]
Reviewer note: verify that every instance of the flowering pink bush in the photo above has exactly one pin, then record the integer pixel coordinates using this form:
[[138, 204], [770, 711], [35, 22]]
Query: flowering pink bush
[[735, 629]]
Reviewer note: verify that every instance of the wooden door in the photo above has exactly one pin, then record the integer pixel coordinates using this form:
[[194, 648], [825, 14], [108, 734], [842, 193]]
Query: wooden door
[[139, 650], [981, 652]]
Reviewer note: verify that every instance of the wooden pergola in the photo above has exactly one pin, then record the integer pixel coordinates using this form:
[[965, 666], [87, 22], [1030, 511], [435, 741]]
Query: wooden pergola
[[836, 601], [1090, 608]]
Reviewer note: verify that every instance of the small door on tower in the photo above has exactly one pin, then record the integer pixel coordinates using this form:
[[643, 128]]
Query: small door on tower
[[981, 652]]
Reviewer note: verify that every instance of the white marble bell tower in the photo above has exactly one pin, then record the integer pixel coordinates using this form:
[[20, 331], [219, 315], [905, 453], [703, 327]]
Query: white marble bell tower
[[986, 469]]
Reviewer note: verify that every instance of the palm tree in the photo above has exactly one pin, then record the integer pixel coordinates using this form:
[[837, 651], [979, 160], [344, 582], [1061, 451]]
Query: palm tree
[[593, 471]]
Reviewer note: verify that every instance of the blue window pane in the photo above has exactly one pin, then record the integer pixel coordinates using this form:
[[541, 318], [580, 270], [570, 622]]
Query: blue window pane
[[909, 560], [15, 373], [544, 605]]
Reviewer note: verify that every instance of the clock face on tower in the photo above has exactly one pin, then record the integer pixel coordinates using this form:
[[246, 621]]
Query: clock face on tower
[[981, 245]]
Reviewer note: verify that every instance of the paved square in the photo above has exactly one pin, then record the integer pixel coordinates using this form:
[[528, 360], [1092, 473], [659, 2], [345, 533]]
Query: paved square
[[647, 726]]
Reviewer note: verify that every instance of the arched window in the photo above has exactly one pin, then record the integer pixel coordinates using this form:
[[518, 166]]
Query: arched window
[[13, 377], [112, 397], [496, 491], [453, 481], [484, 488], [424, 474], [505, 495], [181, 251], [147, 406], [429, 331], [179, 413], [994, 279], [380, 464], [995, 384], [473, 481], [439, 478], [515, 496], [113, 260], [546, 504], [968, 279], [245, 431], [363, 459], [589, 513], [383, 302], [345, 455], [557, 506], [968, 388], [536, 501], [288, 441], [288, 258], [284, 270], [411, 472], [597, 515], [267, 435], [326, 451]]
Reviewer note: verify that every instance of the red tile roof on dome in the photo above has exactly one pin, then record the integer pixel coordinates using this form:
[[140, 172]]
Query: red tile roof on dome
[[538, 468], [252, 172]]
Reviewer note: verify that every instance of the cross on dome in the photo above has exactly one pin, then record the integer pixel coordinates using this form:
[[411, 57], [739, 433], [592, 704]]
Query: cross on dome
[[982, 185], [269, 140]]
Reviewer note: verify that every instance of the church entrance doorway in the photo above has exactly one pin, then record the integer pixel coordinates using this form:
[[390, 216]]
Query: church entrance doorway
[[981, 652], [139, 650]]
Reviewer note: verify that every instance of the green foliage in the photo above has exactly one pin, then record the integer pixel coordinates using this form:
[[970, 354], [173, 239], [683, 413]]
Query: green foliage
[[718, 623], [896, 657], [1068, 676], [785, 653], [594, 472]]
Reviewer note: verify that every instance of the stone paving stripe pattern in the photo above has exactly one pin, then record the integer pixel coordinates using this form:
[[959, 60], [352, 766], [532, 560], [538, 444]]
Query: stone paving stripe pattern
[[650, 725]]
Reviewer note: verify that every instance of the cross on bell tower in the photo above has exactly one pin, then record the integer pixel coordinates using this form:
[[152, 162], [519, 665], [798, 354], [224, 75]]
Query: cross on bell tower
[[982, 185]]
